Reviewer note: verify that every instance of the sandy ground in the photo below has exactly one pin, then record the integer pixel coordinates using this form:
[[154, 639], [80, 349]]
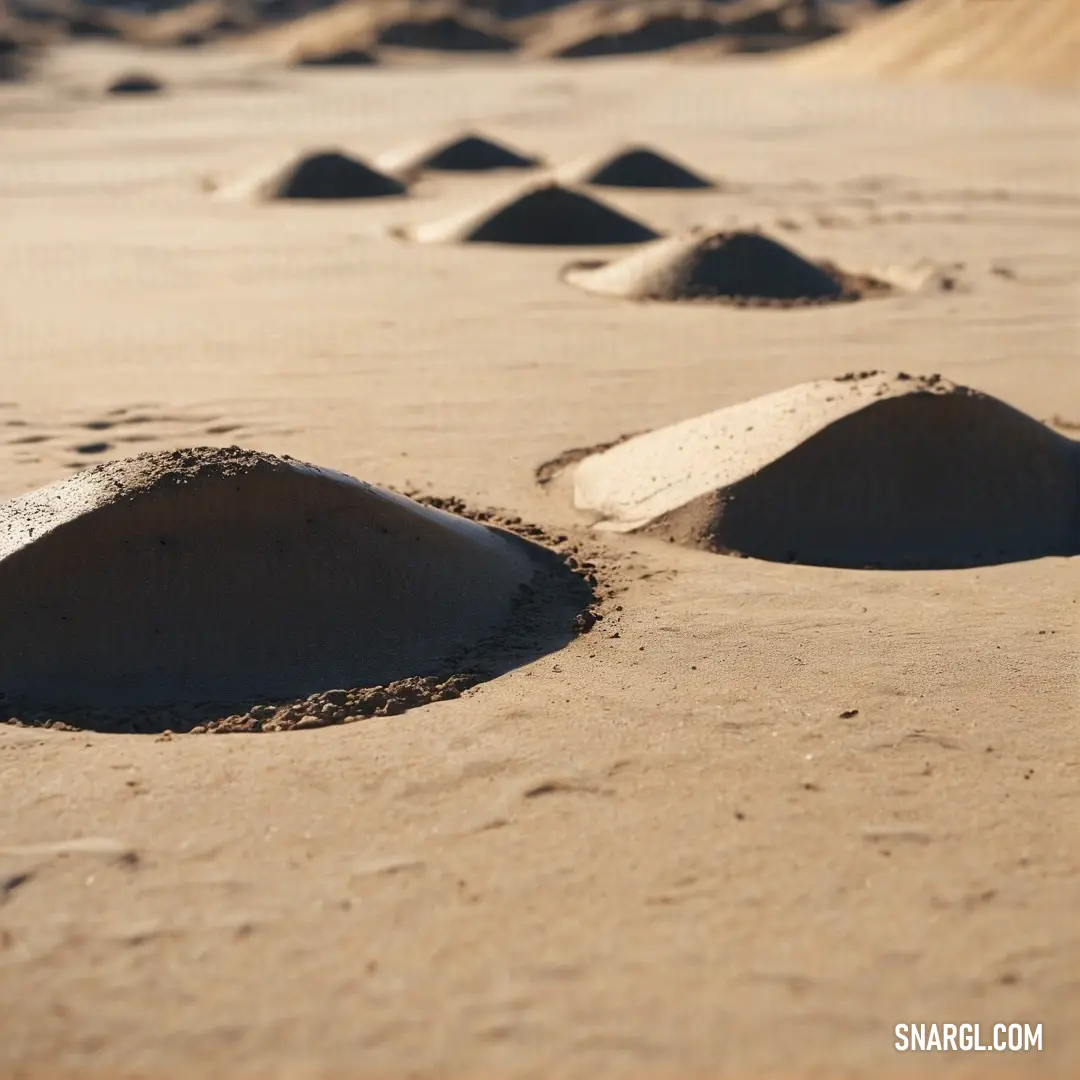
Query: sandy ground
[[673, 848]]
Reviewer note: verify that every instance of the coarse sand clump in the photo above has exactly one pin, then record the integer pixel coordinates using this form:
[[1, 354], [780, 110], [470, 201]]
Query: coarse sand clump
[[634, 167], [226, 575], [544, 214], [734, 267], [322, 174], [467, 152], [868, 470]]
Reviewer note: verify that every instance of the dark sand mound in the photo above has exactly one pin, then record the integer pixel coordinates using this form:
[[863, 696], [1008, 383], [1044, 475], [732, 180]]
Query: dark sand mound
[[634, 167], [229, 575], [135, 82], [327, 174], [444, 31], [546, 215], [468, 152], [863, 471], [1009, 41], [347, 57], [739, 267]]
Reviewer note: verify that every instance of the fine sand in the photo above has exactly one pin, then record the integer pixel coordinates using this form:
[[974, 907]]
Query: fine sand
[[696, 816]]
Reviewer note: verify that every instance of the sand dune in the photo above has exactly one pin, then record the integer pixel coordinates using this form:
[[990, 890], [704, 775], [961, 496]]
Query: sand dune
[[1036, 43], [861, 471], [468, 151], [214, 574], [315, 174], [544, 214], [703, 265], [633, 167]]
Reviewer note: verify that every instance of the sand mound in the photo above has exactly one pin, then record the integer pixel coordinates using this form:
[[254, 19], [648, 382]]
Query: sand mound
[[1037, 43], [347, 57], [326, 174], [737, 266], [445, 30], [862, 471], [634, 167], [600, 29], [545, 214], [135, 82], [468, 152], [225, 575]]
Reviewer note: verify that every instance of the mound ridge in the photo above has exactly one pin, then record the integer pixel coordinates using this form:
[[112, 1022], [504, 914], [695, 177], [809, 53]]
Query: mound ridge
[[318, 174], [866, 471], [209, 574], [635, 167], [744, 267], [470, 151], [543, 214], [445, 30]]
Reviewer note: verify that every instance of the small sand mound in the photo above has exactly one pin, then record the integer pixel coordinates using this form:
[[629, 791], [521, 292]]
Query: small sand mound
[[326, 174], [229, 575], [468, 152], [1036, 42], [547, 214], [739, 267], [634, 167], [347, 57], [135, 82], [863, 471]]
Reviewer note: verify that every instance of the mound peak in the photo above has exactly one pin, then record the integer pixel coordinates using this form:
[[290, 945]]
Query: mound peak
[[321, 174], [229, 575], [545, 214], [863, 471], [469, 151], [635, 167], [736, 266]]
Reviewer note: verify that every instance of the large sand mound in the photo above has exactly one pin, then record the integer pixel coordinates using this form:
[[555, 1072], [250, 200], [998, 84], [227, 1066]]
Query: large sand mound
[[1026, 41], [634, 167], [546, 214], [469, 151], [861, 471], [322, 174], [224, 575], [739, 267]]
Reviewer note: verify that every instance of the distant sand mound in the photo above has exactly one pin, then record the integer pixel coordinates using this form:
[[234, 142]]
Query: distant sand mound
[[732, 266], [325, 174], [863, 471], [546, 214], [634, 167], [444, 28], [1036, 42], [467, 152], [601, 29], [346, 57], [229, 575], [135, 82]]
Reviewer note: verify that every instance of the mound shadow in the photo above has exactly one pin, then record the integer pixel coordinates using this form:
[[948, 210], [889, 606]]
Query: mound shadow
[[232, 590]]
